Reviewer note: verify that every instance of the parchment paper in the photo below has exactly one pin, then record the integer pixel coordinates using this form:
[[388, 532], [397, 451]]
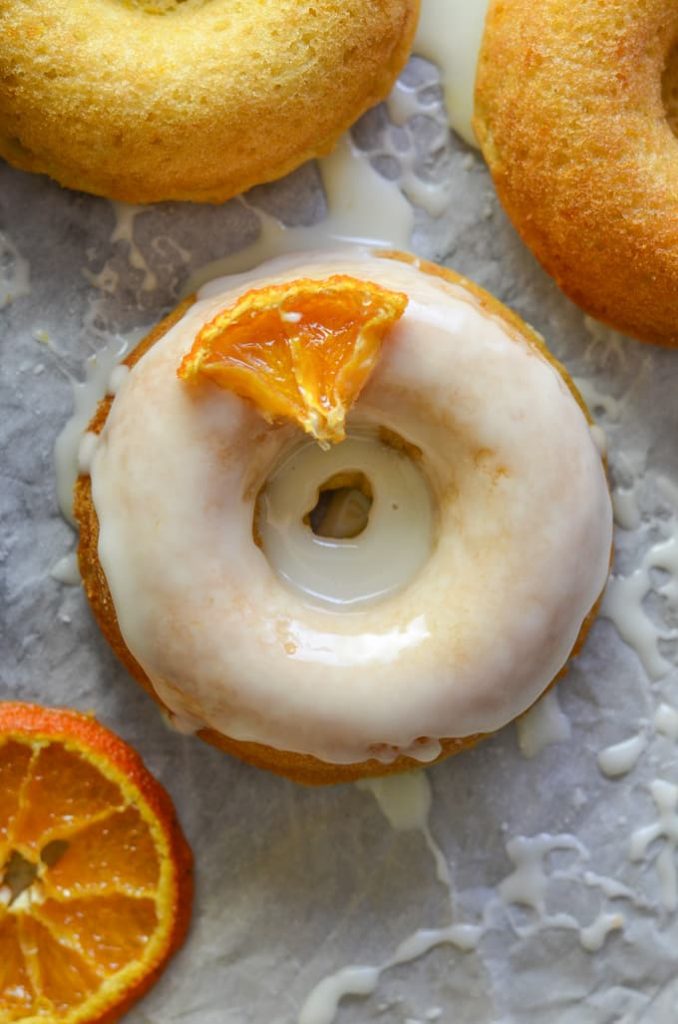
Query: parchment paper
[[294, 883]]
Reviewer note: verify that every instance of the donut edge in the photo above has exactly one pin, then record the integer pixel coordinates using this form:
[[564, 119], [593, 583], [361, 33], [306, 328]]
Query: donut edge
[[626, 288]]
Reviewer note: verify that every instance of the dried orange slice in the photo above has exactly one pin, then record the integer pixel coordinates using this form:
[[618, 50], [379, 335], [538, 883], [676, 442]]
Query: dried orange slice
[[302, 350], [95, 874]]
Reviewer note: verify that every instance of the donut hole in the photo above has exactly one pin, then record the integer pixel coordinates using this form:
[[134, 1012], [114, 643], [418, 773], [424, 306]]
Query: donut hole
[[670, 90], [340, 536], [342, 509]]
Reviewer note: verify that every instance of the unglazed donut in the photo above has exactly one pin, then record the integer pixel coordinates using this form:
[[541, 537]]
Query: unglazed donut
[[142, 100], [573, 111], [194, 603]]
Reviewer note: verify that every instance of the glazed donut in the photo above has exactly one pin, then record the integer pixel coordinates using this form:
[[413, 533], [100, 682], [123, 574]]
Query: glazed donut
[[143, 100], [575, 111], [386, 653]]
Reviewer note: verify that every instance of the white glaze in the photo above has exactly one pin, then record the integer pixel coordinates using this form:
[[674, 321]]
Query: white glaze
[[66, 570], [405, 801], [624, 597], [463, 936], [124, 232], [542, 725], [493, 457], [87, 393], [363, 208], [607, 346], [116, 379], [322, 1003], [666, 721], [527, 885], [405, 102], [610, 887], [347, 573], [449, 34], [665, 796], [623, 606], [625, 506], [86, 449], [621, 758], [595, 399], [593, 936]]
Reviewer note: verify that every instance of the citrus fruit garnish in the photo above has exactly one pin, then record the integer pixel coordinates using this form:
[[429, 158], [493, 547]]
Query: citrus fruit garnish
[[302, 350], [95, 874]]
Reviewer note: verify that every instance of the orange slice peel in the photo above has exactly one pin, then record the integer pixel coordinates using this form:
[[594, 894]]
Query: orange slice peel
[[301, 351], [95, 873]]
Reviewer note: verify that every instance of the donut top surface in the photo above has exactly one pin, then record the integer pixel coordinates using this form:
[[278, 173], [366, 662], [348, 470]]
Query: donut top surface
[[143, 100], [519, 554]]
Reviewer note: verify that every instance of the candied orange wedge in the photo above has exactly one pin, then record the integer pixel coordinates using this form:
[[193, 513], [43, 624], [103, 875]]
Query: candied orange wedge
[[302, 350], [95, 874]]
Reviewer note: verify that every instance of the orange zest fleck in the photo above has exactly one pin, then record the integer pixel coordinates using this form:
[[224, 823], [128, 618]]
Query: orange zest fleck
[[95, 874], [302, 350]]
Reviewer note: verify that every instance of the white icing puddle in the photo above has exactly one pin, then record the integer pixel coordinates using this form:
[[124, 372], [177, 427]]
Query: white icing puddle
[[621, 758], [449, 35], [625, 505], [66, 570], [404, 103], [75, 446], [625, 597], [405, 801], [363, 209], [666, 721], [544, 724], [527, 886], [124, 232], [665, 796]]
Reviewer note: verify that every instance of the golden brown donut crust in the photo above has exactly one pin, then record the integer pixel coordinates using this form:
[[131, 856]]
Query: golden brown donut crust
[[143, 100], [303, 768], [571, 120]]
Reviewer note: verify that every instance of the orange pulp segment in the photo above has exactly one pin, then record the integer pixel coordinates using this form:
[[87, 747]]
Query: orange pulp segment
[[95, 874], [302, 350]]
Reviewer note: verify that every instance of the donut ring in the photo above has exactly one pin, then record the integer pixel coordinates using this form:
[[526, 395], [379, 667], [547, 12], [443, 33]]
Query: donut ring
[[594, 527], [571, 119], [145, 100]]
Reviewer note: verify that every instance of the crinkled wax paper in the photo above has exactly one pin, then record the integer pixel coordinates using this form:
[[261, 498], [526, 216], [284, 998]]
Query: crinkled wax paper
[[294, 883]]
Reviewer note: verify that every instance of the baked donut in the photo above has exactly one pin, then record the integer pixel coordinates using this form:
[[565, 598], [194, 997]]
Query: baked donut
[[143, 100], [575, 111], [202, 569]]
